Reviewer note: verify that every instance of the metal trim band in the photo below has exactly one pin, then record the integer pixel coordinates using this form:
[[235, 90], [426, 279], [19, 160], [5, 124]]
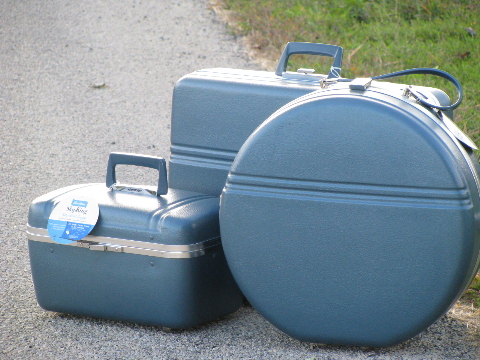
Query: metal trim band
[[101, 243]]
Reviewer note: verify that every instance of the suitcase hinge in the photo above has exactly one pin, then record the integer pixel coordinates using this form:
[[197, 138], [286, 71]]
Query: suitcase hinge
[[83, 244]]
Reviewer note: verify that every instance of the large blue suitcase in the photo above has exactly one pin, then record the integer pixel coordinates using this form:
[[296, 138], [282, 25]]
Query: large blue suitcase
[[154, 258], [351, 215], [215, 110]]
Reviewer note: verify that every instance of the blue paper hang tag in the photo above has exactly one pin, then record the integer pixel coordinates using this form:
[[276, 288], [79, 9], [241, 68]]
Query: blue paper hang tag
[[72, 219]]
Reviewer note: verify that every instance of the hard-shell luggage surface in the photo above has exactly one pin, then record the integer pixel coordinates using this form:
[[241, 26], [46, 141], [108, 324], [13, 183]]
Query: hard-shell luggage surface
[[351, 216], [215, 110], [151, 258]]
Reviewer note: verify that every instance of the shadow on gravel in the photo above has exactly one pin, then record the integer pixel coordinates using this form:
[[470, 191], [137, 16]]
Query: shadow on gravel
[[447, 338]]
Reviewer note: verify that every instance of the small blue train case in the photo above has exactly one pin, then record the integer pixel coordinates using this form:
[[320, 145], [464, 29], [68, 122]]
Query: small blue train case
[[351, 216], [153, 256]]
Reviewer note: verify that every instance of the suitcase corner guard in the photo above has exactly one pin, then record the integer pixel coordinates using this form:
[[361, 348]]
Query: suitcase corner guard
[[100, 243]]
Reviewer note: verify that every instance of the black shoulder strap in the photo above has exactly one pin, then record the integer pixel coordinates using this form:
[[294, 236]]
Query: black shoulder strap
[[425, 71]]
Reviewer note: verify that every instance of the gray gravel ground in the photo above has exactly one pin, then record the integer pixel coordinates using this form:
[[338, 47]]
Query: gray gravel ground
[[57, 130]]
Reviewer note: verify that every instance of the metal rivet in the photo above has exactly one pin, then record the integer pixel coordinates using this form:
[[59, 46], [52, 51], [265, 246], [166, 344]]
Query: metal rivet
[[152, 264], [151, 237], [51, 250]]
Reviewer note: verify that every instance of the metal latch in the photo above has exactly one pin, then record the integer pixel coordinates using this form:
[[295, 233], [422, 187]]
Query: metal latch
[[100, 247], [115, 248], [305, 71], [414, 92], [303, 75], [419, 95], [360, 84], [97, 247], [133, 189]]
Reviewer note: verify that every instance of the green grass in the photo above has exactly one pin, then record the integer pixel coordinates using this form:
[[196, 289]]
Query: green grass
[[378, 37], [472, 295]]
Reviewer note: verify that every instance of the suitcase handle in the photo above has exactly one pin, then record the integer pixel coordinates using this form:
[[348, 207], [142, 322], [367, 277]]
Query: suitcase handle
[[336, 52], [138, 160]]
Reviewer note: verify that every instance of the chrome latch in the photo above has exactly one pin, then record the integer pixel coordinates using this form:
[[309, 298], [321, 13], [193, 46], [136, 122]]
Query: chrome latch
[[360, 84], [100, 247], [303, 75], [132, 189], [115, 248], [305, 71], [325, 82], [411, 91], [97, 247]]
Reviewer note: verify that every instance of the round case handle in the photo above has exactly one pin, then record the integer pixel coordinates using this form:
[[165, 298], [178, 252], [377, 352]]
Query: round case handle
[[152, 162], [336, 52]]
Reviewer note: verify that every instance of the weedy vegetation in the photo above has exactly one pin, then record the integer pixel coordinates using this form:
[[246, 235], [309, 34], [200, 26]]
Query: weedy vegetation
[[472, 295], [378, 37]]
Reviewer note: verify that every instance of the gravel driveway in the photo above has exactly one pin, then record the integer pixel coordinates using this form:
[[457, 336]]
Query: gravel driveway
[[78, 80]]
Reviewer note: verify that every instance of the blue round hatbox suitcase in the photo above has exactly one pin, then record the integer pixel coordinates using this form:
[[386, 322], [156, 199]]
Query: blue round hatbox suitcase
[[351, 215]]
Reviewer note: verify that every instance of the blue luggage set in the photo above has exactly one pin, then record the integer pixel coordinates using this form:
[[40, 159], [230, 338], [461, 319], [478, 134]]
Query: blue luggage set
[[345, 211]]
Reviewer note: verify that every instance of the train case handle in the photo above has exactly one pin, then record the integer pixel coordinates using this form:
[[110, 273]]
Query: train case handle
[[336, 52], [152, 162]]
